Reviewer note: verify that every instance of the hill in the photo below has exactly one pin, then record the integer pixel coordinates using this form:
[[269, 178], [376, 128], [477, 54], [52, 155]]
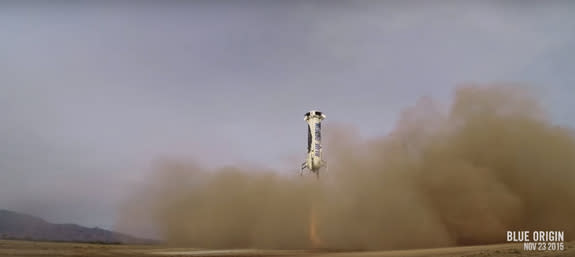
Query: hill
[[20, 226]]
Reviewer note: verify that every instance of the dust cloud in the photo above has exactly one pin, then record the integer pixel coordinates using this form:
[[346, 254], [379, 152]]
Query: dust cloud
[[490, 162]]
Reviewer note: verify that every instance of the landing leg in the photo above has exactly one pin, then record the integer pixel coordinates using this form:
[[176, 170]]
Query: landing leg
[[303, 166]]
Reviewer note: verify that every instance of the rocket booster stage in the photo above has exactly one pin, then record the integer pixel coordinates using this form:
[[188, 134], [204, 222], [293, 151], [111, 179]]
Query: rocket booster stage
[[314, 159]]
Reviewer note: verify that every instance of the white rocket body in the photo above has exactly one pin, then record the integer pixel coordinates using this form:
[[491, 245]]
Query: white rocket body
[[314, 160]]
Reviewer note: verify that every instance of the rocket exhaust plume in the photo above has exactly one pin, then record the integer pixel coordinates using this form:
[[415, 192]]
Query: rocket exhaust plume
[[313, 236], [492, 162]]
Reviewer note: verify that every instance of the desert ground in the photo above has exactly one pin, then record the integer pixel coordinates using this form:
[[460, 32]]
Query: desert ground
[[49, 249]]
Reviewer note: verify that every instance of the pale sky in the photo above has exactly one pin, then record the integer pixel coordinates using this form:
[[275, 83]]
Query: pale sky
[[91, 94]]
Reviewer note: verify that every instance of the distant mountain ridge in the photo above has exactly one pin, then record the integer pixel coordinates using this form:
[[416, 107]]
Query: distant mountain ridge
[[18, 226]]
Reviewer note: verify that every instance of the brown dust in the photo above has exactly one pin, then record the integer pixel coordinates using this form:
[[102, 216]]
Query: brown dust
[[491, 162]]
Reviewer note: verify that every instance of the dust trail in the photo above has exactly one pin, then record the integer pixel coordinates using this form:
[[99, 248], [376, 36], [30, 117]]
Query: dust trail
[[492, 162]]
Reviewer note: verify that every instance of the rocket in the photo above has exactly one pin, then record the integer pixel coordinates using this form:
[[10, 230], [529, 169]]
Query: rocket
[[314, 160]]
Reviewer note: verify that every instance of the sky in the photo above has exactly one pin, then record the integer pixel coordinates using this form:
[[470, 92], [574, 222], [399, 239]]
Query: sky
[[92, 94]]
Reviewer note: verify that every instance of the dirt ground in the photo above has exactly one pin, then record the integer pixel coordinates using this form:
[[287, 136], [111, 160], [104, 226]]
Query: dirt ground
[[45, 249]]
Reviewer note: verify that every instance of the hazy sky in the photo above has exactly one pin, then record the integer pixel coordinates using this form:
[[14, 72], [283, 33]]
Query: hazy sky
[[92, 94]]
